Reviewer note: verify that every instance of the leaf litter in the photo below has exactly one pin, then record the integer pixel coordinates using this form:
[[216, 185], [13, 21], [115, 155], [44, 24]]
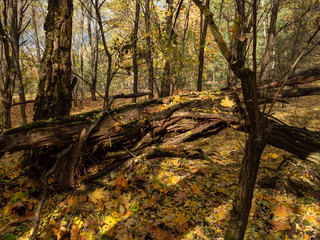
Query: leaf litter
[[163, 198]]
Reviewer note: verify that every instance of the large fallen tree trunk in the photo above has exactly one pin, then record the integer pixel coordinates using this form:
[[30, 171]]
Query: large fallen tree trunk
[[307, 76], [136, 126]]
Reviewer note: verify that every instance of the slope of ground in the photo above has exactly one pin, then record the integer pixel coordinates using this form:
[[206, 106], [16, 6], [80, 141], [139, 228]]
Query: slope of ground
[[179, 196]]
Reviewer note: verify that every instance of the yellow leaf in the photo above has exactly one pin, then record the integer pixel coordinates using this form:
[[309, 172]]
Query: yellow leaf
[[227, 102], [274, 156], [117, 126], [281, 226], [282, 211], [109, 222], [196, 189], [181, 217], [96, 195]]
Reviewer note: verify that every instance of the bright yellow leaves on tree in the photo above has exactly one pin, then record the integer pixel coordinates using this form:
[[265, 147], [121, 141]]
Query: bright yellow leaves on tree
[[227, 102]]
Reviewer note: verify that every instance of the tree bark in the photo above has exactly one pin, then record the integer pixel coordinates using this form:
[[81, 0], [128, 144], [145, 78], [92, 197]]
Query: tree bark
[[94, 53], [203, 36], [108, 53], [135, 50], [166, 79], [256, 141], [54, 93], [149, 59], [265, 62], [15, 32], [7, 78]]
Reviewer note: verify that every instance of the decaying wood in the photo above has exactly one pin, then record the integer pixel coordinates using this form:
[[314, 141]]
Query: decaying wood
[[139, 126], [115, 131], [307, 76]]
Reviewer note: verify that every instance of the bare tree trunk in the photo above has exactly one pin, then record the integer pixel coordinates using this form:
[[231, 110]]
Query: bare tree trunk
[[81, 52], [7, 78], [93, 56], [15, 31], [149, 59], [257, 138], [108, 53], [54, 93], [135, 50], [166, 79], [36, 36], [183, 43], [6, 84], [203, 35], [265, 62]]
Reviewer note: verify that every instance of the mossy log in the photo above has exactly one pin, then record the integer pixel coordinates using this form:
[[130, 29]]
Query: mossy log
[[137, 126]]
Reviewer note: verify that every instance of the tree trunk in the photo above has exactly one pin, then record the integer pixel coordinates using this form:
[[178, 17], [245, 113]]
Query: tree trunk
[[135, 50], [265, 62], [108, 53], [149, 59], [166, 79], [256, 121], [54, 94], [203, 35], [93, 56], [15, 32]]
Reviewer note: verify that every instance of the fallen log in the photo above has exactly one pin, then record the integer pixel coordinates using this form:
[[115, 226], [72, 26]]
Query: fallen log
[[141, 125], [307, 76]]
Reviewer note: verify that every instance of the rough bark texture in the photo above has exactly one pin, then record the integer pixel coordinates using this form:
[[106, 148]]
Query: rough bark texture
[[15, 31], [257, 123], [54, 94], [135, 50], [7, 78], [171, 127], [166, 79], [107, 52], [203, 36], [149, 59]]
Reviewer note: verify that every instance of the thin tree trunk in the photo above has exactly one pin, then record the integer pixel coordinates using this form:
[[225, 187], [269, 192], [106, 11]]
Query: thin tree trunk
[[81, 52], [93, 56], [36, 36], [14, 37], [166, 79], [108, 53], [149, 59], [203, 35], [257, 137], [183, 43], [265, 62], [135, 50]]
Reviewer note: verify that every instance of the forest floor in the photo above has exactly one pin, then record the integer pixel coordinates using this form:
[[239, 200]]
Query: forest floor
[[168, 198]]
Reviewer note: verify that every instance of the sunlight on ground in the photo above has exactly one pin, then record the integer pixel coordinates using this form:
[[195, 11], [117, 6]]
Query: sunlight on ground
[[165, 198]]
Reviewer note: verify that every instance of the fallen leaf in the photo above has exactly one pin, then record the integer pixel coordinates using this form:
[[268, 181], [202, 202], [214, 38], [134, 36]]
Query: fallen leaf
[[196, 189], [280, 226], [179, 196], [227, 102], [96, 195], [282, 211], [181, 217]]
